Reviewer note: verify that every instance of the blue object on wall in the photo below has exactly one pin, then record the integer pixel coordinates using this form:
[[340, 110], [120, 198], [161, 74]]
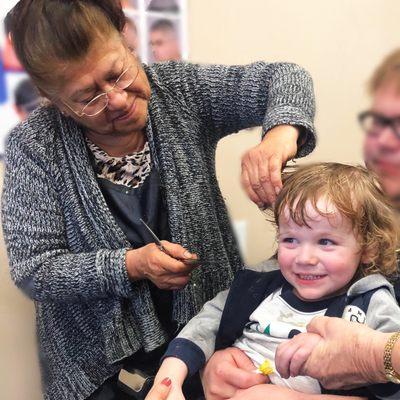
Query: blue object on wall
[[3, 88]]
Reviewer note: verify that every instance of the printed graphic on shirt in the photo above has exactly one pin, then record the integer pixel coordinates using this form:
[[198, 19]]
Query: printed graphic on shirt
[[286, 325], [354, 314]]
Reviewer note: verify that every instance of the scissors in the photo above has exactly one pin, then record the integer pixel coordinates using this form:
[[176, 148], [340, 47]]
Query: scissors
[[187, 261]]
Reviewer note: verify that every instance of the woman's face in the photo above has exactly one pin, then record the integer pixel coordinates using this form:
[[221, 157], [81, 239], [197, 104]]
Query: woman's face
[[126, 112]]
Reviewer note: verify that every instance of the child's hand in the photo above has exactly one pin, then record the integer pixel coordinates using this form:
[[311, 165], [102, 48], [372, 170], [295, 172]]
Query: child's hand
[[227, 371], [291, 355]]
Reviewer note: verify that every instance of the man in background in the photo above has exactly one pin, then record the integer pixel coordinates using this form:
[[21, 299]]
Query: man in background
[[382, 126], [26, 98], [131, 34], [164, 41]]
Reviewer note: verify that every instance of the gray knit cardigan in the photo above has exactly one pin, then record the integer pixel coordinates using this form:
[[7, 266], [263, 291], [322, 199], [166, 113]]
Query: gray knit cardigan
[[67, 252]]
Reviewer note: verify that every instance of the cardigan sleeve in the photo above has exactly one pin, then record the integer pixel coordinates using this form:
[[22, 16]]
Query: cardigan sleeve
[[41, 263], [231, 98]]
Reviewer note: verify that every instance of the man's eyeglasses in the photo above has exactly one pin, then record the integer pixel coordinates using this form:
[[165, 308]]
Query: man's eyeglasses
[[100, 102], [374, 123]]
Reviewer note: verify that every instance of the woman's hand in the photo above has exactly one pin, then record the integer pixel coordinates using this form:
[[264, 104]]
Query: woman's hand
[[227, 371], [348, 354], [166, 271], [262, 165], [270, 392], [291, 355], [273, 392], [160, 390], [177, 372]]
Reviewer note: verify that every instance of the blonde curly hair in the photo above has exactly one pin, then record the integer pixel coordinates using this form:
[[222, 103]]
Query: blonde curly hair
[[357, 195]]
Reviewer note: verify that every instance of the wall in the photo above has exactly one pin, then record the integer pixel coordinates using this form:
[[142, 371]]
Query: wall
[[339, 42]]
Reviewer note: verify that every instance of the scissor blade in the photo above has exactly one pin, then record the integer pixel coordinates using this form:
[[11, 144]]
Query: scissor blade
[[193, 262], [155, 237]]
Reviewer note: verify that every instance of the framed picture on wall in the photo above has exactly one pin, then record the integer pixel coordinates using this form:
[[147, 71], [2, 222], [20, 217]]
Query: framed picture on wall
[[133, 4], [162, 5], [157, 29], [18, 95], [164, 40]]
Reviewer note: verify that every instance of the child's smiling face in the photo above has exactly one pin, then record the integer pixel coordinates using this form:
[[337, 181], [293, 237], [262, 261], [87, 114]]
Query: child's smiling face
[[321, 259]]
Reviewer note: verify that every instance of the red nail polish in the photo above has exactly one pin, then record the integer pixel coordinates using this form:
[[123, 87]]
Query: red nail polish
[[166, 382]]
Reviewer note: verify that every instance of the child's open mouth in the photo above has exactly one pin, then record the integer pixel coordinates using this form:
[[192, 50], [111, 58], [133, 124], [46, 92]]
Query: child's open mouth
[[310, 277]]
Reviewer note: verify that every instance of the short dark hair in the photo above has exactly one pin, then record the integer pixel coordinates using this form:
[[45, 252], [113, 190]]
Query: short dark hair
[[47, 33], [162, 25], [26, 95], [7, 24]]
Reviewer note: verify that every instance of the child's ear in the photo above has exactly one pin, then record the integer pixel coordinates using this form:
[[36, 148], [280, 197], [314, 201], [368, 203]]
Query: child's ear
[[366, 256], [365, 260]]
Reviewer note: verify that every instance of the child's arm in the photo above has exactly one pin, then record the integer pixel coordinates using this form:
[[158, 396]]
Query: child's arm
[[196, 342], [194, 345]]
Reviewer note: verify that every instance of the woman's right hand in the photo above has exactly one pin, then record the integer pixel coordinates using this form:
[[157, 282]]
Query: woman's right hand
[[166, 271]]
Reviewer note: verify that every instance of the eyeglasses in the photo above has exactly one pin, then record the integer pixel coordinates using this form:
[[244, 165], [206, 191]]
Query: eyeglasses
[[374, 123], [100, 102]]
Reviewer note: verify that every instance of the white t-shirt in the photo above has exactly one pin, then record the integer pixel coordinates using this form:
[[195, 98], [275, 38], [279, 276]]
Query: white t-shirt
[[278, 318]]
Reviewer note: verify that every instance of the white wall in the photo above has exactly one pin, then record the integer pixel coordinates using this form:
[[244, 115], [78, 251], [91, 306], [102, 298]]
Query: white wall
[[340, 42]]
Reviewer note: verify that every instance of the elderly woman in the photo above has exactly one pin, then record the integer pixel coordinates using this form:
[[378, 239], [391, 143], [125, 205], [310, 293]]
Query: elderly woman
[[120, 142]]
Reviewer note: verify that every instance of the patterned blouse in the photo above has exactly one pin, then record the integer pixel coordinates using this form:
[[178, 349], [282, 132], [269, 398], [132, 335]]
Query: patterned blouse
[[130, 170]]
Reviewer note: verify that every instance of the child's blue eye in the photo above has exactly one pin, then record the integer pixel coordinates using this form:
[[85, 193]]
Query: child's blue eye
[[288, 240], [325, 242]]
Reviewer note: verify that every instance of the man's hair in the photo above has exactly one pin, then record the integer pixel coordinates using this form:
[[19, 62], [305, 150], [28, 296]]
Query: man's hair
[[46, 34], [356, 193], [387, 72], [163, 25], [26, 95]]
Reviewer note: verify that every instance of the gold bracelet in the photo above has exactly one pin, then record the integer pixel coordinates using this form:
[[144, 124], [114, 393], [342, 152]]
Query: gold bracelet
[[391, 374]]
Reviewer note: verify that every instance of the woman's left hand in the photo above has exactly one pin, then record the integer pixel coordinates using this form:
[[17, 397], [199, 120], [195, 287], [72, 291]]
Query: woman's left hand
[[262, 165], [268, 391], [160, 391]]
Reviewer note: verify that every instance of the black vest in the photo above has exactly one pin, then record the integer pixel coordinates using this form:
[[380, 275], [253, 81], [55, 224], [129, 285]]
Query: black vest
[[258, 286]]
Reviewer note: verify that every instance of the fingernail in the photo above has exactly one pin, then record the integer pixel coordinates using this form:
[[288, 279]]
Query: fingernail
[[262, 207], [166, 382], [277, 190], [187, 254]]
